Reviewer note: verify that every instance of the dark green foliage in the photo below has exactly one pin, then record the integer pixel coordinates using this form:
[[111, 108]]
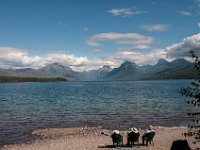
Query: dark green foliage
[[8, 79], [193, 92]]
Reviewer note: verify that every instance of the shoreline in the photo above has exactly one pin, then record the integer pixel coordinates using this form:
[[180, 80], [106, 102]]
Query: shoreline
[[30, 137], [91, 138]]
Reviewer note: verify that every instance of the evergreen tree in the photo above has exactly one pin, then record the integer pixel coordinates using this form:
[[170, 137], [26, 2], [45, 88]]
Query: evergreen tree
[[193, 92]]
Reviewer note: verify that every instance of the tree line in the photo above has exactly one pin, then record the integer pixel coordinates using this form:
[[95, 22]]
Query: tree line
[[9, 79]]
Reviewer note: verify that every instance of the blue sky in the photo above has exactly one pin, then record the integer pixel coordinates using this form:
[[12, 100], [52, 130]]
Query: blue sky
[[88, 34]]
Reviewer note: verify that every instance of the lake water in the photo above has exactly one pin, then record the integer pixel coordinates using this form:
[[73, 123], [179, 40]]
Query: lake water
[[113, 105]]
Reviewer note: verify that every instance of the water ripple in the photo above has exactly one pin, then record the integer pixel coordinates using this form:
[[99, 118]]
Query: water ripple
[[28, 106]]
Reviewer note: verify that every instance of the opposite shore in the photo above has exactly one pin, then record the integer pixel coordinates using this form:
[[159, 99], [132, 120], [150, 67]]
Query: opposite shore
[[96, 138]]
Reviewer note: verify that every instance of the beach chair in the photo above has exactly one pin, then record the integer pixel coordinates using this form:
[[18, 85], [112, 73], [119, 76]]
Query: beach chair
[[132, 138], [117, 139], [148, 138]]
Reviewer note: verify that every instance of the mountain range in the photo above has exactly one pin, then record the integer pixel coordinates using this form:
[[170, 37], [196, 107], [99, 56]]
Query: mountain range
[[177, 69]]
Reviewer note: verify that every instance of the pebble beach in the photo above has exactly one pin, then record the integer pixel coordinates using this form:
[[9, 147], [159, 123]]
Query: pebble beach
[[96, 138]]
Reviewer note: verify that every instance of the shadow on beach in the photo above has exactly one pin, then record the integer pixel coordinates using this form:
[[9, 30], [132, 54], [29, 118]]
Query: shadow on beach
[[1, 147], [124, 146]]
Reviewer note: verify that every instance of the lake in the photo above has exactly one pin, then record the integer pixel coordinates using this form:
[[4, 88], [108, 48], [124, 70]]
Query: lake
[[113, 105]]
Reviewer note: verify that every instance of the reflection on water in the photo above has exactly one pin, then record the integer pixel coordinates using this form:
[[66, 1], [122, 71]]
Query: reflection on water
[[121, 105]]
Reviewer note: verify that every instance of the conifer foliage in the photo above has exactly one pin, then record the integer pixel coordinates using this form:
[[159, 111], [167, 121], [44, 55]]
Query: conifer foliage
[[193, 92]]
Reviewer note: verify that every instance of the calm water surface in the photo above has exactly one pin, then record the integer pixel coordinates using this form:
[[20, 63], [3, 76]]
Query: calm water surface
[[113, 105]]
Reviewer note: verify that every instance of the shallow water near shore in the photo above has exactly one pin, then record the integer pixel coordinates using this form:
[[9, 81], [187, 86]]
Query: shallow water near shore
[[113, 105]]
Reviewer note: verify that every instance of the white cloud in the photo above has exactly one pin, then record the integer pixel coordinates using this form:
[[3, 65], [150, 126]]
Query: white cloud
[[125, 12], [127, 38], [14, 57], [137, 57], [140, 58], [68, 59], [182, 49], [155, 27], [179, 50], [21, 58], [97, 63], [185, 13], [134, 48]]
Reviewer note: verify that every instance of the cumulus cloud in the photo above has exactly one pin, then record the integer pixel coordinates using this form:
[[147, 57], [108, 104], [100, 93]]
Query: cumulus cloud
[[127, 38], [182, 49], [122, 56], [140, 58], [95, 64], [66, 58], [155, 27], [125, 12], [185, 13], [20, 58], [14, 57], [179, 50]]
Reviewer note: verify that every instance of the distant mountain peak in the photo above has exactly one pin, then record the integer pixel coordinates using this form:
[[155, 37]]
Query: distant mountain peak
[[128, 63], [105, 68], [162, 61], [56, 63], [58, 70], [127, 71], [180, 60], [56, 66], [162, 64]]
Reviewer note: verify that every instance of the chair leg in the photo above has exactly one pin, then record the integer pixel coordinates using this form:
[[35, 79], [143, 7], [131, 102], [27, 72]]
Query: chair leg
[[131, 144], [121, 143], [143, 140], [113, 144]]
